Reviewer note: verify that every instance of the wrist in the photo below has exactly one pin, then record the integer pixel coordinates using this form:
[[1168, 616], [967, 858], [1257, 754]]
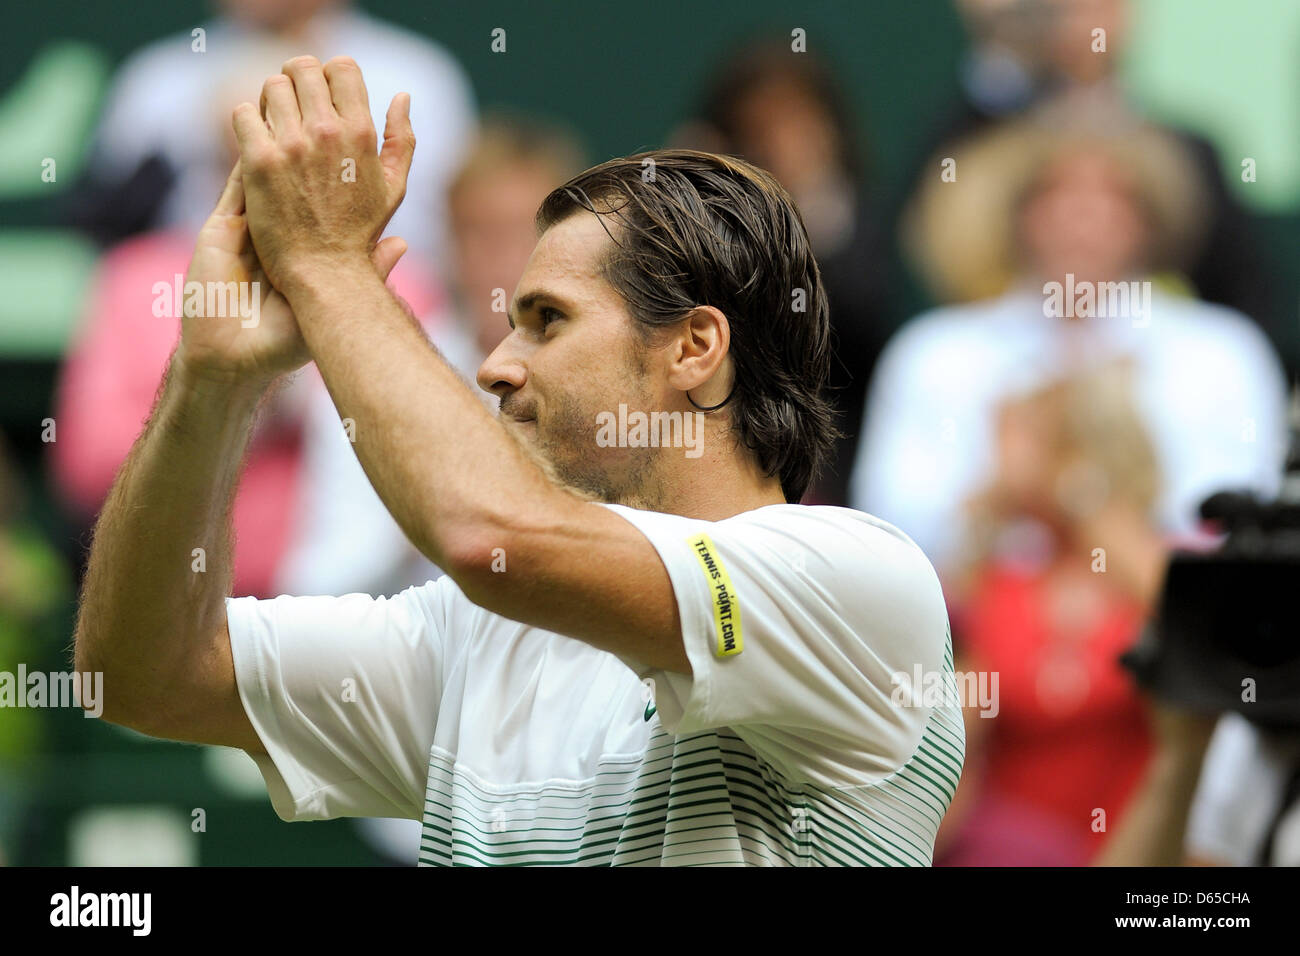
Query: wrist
[[210, 382], [316, 275]]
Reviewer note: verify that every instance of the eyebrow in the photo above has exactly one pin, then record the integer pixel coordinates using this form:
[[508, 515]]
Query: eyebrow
[[530, 301]]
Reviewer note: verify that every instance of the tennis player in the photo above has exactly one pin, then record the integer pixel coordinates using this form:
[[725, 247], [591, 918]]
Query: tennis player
[[644, 650]]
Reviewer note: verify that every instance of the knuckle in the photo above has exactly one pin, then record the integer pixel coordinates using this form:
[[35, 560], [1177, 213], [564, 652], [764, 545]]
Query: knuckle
[[303, 62], [324, 130], [258, 160], [274, 83], [366, 137]]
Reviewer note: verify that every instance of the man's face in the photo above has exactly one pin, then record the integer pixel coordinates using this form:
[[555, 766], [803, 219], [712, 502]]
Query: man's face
[[572, 354]]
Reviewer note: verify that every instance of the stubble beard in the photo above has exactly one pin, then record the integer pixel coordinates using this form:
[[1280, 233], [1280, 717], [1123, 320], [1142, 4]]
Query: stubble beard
[[566, 448]]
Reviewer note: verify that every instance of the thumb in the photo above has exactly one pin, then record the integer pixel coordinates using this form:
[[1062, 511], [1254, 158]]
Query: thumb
[[399, 144], [231, 202], [386, 253]]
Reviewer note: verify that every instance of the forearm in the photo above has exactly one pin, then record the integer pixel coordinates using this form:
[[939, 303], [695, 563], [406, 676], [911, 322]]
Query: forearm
[[444, 467], [1154, 826], [150, 598]]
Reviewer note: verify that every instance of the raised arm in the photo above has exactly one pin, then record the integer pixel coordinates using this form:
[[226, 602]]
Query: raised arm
[[459, 485], [152, 616]]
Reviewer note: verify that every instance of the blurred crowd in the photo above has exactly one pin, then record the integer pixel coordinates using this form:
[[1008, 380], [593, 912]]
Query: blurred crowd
[[1012, 434]]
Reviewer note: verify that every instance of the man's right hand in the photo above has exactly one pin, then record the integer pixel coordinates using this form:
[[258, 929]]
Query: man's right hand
[[224, 348]]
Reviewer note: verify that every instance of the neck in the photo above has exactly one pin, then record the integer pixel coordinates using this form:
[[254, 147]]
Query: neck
[[723, 482]]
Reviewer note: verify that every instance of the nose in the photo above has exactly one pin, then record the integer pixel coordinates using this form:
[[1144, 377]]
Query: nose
[[504, 370]]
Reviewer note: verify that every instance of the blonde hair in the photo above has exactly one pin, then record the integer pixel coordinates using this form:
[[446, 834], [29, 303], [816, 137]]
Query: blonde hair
[[1098, 435], [961, 236]]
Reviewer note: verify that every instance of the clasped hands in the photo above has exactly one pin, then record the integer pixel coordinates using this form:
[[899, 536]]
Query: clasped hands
[[307, 202]]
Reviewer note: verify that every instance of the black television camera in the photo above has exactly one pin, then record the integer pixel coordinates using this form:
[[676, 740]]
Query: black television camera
[[1226, 635]]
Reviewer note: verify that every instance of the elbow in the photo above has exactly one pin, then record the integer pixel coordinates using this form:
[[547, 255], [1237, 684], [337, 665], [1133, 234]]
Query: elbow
[[93, 672], [499, 554], [494, 554], [477, 556], [88, 675], [83, 659]]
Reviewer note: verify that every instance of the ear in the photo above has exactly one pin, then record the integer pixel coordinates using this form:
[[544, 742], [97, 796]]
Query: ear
[[700, 362]]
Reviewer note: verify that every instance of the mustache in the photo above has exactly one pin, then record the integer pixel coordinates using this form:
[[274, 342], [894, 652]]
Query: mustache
[[514, 407]]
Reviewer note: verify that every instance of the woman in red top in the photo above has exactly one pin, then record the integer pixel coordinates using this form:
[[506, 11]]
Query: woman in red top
[[1063, 564]]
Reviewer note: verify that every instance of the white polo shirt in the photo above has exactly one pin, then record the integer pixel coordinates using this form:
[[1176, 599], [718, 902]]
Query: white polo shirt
[[791, 744]]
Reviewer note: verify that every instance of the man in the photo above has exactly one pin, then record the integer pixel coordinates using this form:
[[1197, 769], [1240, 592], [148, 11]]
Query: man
[[503, 704]]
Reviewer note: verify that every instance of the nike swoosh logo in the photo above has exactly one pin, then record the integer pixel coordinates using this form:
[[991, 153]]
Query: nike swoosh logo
[[649, 710]]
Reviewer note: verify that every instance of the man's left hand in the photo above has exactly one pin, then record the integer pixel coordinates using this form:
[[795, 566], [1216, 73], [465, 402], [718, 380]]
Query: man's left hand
[[318, 193]]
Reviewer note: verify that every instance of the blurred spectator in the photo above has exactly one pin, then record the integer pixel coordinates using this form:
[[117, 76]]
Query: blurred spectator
[[157, 161], [1246, 810], [1223, 793], [1091, 211], [1041, 59], [111, 375], [1062, 565], [1154, 828], [784, 111]]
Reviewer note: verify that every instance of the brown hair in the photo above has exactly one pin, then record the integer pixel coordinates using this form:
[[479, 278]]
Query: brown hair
[[697, 229]]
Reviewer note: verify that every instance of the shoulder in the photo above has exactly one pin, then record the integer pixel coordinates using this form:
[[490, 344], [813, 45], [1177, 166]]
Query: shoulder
[[1213, 332], [847, 570], [873, 569], [841, 532]]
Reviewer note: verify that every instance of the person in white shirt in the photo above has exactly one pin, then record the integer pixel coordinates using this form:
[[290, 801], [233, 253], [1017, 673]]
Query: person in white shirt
[[159, 104], [643, 651], [1063, 215]]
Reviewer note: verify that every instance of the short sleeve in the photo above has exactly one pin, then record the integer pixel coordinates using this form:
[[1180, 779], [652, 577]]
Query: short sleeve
[[801, 624], [344, 694]]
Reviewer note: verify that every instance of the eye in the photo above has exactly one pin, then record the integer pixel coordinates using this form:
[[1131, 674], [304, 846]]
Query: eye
[[548, 315]]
